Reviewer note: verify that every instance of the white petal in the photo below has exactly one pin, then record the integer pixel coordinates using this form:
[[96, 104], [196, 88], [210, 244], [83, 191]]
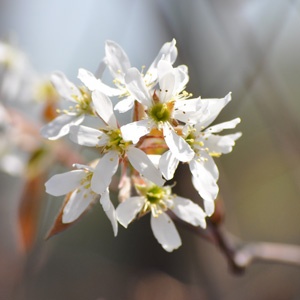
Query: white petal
[[13, 164], [209, 207], [189, 105], [124, 104], [177, 145], [190, 110], [207, 162], [171, 80], [77, 204], [214, 106], [105, 200], [183, 68], [88, 79], [169, 53], [83, 167], [189, 211], [221, 144], [109, 91], [203, 181], [87, 136], [181, 77], [110, 211], [210, 166], [225, 125], [104, 108], [167, 87], [127, 210], [60, 126], [104, 171], [136, 86], [154, 159], [92, 83], [135, 130], [61, 184], [116, 59], [165, 232], [164, 67], [168, 164], [141, 162], [167, 81], [65, 88]]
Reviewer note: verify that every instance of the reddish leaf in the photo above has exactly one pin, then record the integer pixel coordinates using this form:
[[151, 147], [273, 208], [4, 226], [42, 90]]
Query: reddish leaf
[[29, 210], [58, 225]]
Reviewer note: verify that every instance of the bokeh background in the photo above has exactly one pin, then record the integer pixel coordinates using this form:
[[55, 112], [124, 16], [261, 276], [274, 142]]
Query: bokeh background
[[251, 48]]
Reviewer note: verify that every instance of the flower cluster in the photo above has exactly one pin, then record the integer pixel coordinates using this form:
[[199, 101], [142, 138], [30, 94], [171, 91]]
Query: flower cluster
[[23, 94], [169, 126]]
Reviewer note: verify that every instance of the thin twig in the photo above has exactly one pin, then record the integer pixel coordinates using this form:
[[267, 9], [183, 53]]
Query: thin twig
[[241, 255], [263, 251]]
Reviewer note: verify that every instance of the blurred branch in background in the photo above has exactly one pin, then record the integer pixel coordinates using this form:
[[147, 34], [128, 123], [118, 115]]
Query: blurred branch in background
[[239, 254]]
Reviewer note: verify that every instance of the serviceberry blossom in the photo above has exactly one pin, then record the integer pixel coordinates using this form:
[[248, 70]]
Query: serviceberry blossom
[[12, 159], [80, 99], [157, 200], [168, 127], [16, 74], [78, 184], [112, 146], [117, 62], [23, 94], [164, 107], [206, 144]]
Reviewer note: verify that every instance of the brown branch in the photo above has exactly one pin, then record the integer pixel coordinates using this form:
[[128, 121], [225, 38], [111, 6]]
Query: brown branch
[[272, 252], [241, 255]]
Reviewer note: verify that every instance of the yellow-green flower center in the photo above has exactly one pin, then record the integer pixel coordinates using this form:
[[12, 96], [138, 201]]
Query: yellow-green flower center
[[198, 145], [84, 103], [190, 139], [83, 106], [155, 194], [193, 140], [160, 112], [116, 141], [157, 199]]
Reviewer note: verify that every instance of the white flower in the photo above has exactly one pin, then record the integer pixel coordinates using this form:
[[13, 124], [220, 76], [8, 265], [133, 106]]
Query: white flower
[[206, 145], [78, 183], [157, 200], [13, 158], [163, 107], [79, 97], [118, 63], [166, 119], [16, 74], [113, 147]]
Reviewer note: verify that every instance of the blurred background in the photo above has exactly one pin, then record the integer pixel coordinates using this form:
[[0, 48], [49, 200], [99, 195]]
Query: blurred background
[[251, 48]]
